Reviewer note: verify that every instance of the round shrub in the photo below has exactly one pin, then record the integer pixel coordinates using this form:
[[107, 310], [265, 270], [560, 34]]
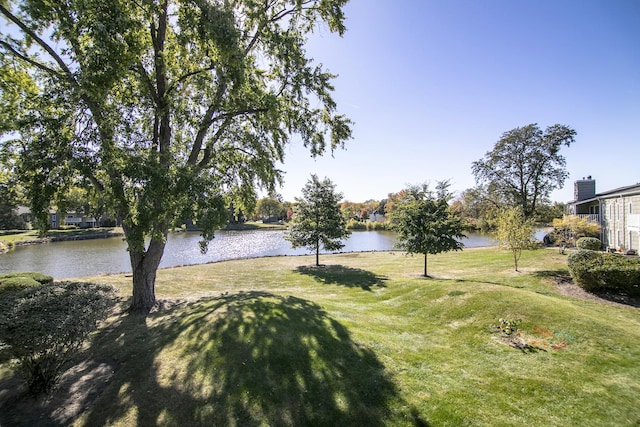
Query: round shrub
[[44, 326], [604, 271], [589, 243]]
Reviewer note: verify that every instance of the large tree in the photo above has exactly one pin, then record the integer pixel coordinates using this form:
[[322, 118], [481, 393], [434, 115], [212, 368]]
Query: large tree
[[317, 220], [168, 107], [425, 223], [269, 207], [525, 165]]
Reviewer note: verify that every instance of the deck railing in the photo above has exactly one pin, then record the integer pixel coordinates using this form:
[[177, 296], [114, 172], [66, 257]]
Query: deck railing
[[590, 217]]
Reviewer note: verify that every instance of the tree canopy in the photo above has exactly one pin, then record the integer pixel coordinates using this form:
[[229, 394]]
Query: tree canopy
[[525, 165], [424, 222], [317, 220], [170, 108]]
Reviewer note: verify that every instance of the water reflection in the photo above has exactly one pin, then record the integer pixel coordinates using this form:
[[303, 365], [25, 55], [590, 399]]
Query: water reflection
[[103, 256]]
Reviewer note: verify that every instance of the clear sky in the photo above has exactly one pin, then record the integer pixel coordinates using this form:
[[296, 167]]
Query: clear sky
[[432, 85]]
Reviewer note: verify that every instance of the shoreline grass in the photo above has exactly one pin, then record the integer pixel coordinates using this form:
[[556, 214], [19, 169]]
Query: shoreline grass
[[365, 340]]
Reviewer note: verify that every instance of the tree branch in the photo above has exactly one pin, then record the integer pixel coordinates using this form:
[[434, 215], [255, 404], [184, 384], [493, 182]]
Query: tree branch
[[39, 41], [25, 58], [184, 77]]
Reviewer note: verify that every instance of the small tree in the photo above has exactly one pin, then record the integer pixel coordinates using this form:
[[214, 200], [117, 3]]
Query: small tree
[[317, 220], [425, 224], [514, 232], [568, 229]]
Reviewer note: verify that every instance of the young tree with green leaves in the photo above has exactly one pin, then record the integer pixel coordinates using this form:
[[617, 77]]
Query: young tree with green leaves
[[317, 220], [514, 232], [525, 165], [173, 109], [425, 223]]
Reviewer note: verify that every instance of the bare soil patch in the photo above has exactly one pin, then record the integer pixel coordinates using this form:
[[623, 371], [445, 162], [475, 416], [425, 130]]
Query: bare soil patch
[[566, 286]]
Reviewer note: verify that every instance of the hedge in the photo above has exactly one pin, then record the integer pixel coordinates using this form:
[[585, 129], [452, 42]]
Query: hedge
[[589, 243], [604, 271], [16, 281]]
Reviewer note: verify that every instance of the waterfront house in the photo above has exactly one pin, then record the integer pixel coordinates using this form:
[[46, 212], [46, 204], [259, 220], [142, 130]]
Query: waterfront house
[[617, 211]]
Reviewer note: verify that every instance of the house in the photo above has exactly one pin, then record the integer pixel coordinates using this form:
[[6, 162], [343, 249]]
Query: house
[[617, 211], [57, 219], [80, 221]]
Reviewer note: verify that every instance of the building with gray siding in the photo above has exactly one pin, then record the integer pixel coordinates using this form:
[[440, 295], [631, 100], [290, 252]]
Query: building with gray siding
[[617, 211]]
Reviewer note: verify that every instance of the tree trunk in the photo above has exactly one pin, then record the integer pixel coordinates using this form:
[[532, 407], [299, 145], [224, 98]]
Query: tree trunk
[[318, 254], [144, 264], [425, 265]]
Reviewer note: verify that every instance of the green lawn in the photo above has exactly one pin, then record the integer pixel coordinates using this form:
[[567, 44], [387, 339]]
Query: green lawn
[[366, 341]]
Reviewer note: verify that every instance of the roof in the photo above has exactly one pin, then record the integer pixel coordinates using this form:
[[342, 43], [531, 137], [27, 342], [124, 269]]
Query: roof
[[621, 191]]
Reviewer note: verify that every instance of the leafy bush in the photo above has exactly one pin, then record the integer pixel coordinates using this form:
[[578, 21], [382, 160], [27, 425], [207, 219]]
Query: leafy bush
[[18, 281], [604, 271], [354, 224], [589, 243], [44, 326], [108, 223], [68, 227]]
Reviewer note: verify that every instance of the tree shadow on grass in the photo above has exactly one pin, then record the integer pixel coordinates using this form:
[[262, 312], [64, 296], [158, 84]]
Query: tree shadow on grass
[[343, 276], [557, 276], [247, 359]]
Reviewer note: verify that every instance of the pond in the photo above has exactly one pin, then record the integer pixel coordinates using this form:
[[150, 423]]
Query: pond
[[109, 256]]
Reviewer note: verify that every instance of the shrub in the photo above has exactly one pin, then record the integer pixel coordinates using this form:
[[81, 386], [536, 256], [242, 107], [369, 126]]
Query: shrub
[[17, 281], [44, 326], [604, 271], [589, 243], [68, 227], [354, 224], [108, 223]]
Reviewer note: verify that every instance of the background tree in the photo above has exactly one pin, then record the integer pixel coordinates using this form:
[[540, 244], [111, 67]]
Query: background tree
[[351, 210], [547, 212], [9, 199], [317, 221], [170, 107], [424, 222], [268, 207], [477, 206], [525, 165], [514, 231]]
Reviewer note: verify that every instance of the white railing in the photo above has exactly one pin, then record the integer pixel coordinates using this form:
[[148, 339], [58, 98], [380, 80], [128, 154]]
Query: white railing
[[590, 217]]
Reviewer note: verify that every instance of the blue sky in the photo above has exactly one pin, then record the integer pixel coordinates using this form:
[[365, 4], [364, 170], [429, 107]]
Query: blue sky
[[432, 86]]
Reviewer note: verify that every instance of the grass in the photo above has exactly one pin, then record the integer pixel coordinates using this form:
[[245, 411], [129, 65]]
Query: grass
[[364, 340]]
